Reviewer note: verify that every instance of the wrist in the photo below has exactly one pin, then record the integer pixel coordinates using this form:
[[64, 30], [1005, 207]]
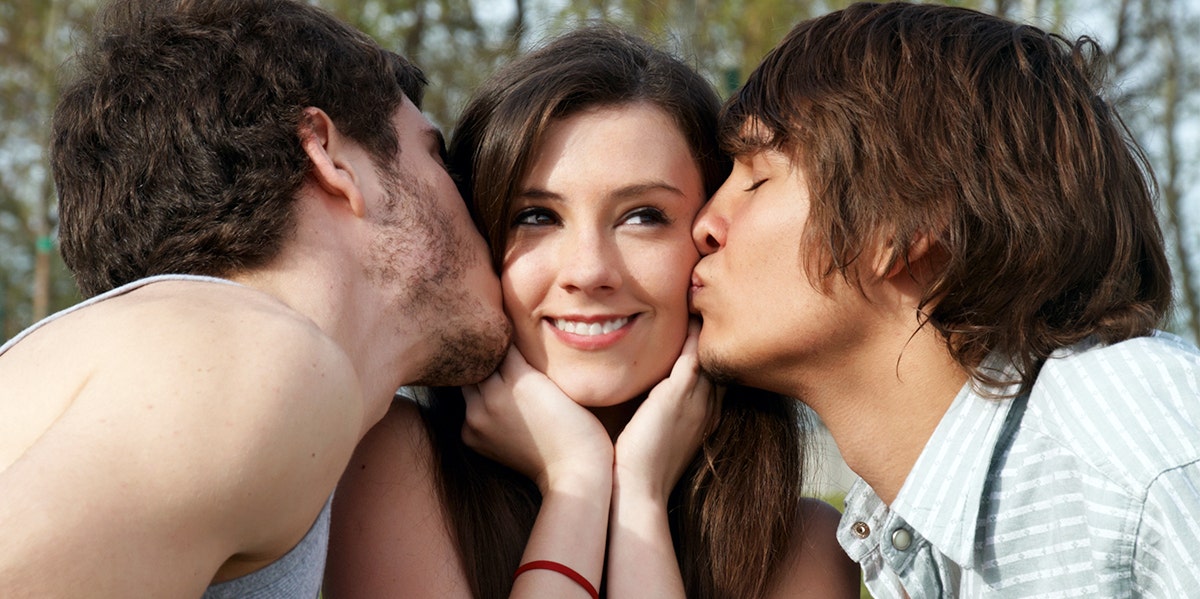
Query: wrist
[[634, 489], [562, 569], [580, 479]]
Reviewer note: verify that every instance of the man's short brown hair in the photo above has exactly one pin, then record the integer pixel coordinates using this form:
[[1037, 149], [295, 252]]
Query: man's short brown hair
[[175, 148]]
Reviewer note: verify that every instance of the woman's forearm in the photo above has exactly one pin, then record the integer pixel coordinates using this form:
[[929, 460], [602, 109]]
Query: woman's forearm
[[571, 529], [641, 555]]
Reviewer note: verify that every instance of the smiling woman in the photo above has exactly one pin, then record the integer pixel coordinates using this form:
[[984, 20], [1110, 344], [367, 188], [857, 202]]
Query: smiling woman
[[599, 256], [598, 456]]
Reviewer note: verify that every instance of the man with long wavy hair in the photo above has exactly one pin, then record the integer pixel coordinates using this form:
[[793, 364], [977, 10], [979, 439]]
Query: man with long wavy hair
[[941, 237]]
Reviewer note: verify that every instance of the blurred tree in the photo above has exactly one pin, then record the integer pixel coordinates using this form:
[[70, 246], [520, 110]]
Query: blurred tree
[[1158, 90], [34, 37], [723, 39], [451, 40]]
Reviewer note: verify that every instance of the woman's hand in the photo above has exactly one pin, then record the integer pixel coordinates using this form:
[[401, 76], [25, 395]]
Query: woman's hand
[[520, 418], [659, 442], [651, 454]]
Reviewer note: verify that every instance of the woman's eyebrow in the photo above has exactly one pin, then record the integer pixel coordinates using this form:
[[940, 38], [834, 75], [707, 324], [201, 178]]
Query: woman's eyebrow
[[632, 190], [640, 189]]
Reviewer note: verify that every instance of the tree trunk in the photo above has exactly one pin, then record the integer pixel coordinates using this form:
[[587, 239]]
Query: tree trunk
[[1171, 194], [43, 242], [516, 29]]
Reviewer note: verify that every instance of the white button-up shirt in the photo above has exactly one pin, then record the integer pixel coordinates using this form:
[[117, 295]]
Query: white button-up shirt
[[1087, 486]]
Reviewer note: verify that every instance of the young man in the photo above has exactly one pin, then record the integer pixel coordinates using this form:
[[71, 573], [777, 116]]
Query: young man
[[940, 237], [184, 431]]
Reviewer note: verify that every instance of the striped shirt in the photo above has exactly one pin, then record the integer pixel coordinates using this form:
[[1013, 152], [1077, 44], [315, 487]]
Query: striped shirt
[[1087, 486]]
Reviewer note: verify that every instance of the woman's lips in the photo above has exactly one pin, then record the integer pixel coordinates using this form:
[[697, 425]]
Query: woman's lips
[[591, 332]]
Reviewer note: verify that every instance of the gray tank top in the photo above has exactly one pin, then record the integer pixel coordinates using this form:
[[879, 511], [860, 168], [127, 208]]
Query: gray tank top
[[295, 575]]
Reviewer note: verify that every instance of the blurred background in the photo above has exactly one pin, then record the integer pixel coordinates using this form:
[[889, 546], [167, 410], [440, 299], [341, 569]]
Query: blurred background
[[1152, 47]]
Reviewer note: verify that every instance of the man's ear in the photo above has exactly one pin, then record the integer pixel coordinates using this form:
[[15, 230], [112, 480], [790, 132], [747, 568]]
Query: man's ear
[[915, 258], [331, 154]]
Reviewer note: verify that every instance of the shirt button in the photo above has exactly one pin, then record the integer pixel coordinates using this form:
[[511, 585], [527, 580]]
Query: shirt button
[[901, 539], [860, 530]]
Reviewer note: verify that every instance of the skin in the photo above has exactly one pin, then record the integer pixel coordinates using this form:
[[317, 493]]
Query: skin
[[596, 248], [189, 432], [757, 215], [856, 356], [419, 247], [587, 247], [591, 241]]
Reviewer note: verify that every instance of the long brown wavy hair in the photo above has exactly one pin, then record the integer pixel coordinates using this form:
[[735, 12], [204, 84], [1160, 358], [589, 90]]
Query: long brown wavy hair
[[733, 512], [991, 137]]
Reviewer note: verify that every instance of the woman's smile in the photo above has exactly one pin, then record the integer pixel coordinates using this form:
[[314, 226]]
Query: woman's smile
[[591, 333], [599, 253]]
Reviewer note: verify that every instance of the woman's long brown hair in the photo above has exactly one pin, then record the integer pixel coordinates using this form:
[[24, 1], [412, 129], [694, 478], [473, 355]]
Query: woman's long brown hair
[[733, 512]]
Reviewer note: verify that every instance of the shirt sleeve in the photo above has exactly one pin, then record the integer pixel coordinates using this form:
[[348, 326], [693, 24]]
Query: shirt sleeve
[[1165, 562]]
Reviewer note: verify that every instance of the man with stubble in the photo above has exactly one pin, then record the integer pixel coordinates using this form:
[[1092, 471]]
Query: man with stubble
[[270, 245]]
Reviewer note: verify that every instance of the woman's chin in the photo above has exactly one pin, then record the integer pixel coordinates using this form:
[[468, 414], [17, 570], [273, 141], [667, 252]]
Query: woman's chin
[[604, 387], [598, 398], [602, 393]]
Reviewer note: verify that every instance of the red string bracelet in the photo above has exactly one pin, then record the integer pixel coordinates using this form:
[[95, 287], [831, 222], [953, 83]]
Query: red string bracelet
[[543, 564]]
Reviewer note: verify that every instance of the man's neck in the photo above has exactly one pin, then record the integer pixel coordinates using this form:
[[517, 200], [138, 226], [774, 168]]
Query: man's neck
[[355, 318], [884, 407]]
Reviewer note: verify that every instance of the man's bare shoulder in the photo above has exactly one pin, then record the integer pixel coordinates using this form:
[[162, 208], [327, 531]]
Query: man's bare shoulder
[[199, 348], [815, 565], [195, 316], [196, 323], [211, 412], [255, 381]]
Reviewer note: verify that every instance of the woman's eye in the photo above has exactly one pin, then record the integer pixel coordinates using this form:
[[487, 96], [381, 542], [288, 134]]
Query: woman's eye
[[535, 217], [756, 184], [647, 216]]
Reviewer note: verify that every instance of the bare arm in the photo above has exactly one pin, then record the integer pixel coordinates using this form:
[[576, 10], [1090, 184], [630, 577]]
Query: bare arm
[[390, 535], [651, 454], [519, 417]]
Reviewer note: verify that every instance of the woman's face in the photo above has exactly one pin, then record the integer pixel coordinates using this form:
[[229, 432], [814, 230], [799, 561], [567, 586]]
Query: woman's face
[[600, 255]]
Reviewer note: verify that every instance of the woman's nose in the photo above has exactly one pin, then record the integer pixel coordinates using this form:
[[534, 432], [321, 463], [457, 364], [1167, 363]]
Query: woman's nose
[[589, 263]]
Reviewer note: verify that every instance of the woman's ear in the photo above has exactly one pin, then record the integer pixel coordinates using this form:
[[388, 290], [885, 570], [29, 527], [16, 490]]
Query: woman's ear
[[332, 155]]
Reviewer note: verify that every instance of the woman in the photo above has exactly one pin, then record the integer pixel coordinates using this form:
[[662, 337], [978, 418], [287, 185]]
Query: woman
[[597, 451]]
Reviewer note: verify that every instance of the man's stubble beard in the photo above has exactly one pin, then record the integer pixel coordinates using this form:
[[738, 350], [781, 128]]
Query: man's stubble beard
[[420, 254], [466, 356], [717, 369]]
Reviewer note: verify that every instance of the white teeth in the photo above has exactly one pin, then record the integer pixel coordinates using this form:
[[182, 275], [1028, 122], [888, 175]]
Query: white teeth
[[589, 329]]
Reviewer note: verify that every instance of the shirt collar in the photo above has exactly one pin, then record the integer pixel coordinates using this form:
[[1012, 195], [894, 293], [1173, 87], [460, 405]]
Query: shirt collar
[[942, 494]]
